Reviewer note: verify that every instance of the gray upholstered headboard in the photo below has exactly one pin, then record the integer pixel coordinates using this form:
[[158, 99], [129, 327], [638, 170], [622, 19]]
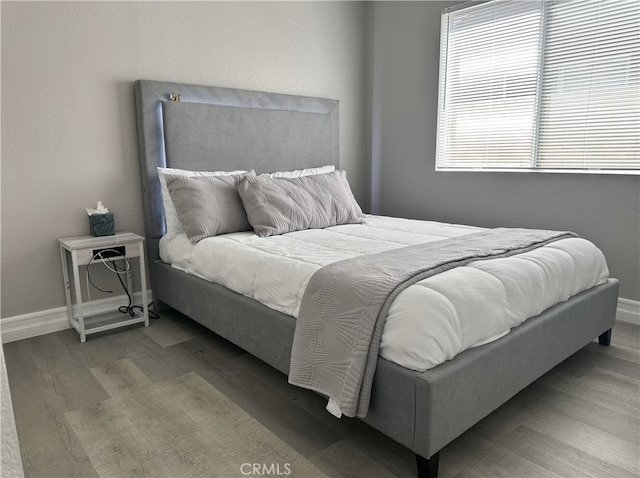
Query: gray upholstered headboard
[[214, 128]]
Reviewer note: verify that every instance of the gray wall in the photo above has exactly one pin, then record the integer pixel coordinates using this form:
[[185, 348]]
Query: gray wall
[[68, 122], [404, 38]]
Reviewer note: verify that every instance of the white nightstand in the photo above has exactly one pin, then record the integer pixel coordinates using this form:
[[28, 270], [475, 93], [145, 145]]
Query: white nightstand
[[82, 250]]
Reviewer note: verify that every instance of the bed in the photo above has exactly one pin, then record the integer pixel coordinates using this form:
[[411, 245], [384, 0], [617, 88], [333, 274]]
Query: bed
[[203, 128]]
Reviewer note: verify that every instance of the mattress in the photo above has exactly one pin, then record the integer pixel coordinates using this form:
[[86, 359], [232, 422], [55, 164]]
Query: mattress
[[429, 322]]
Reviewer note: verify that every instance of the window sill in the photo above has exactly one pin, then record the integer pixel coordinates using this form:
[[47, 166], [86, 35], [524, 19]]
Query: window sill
[[619, 172]]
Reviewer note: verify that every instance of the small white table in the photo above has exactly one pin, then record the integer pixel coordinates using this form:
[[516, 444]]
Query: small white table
[[84, 249]]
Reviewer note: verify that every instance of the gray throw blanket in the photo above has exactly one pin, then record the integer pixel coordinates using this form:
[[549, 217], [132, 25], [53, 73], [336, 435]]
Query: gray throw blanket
[[337, 336]]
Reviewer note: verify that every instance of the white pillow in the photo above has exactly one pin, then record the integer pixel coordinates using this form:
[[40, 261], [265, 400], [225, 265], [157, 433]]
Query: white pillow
[[298, 173], [170, 215]]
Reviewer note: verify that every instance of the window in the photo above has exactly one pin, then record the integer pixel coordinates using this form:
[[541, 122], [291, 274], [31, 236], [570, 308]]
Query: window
[[540, 85]]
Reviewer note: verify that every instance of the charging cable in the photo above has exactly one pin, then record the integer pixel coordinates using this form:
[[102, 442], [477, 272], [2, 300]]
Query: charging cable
[[119, 270]]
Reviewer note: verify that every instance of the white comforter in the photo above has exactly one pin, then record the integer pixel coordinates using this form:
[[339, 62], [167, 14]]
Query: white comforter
[[429, 322]]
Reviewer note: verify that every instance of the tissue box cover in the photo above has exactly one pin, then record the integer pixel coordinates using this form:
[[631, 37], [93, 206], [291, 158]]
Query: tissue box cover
[[102, 225]]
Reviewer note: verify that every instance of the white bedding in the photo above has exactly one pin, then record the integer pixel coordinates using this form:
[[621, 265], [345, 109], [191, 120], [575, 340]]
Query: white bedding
[[429, 322]]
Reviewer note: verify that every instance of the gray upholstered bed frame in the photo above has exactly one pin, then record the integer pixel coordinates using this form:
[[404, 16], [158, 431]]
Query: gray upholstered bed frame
[[237, 129]]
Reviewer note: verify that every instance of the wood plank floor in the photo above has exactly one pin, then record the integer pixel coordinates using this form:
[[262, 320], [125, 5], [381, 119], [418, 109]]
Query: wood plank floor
[[176, 400]]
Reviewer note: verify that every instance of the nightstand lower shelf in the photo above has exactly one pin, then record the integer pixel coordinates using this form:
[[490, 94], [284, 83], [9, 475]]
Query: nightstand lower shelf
[[107, 321]]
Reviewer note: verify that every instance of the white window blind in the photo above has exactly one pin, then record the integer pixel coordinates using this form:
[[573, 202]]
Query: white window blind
[[537, 84]]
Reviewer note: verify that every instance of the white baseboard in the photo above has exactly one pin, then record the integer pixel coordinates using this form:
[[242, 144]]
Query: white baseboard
[[628, 311], [53, 320]]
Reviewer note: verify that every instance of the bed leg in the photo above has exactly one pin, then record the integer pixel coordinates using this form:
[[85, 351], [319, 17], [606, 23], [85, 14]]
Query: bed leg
[[428, 468], [605, 338]]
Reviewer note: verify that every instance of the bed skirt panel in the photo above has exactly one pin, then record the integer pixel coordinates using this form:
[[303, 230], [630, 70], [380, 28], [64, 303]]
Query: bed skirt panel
[[454, 396], [261, 331], [393, 402]]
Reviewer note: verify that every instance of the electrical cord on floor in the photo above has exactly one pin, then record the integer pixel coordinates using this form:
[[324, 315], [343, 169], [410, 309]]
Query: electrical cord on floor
[[130, 308], [118, 271]]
